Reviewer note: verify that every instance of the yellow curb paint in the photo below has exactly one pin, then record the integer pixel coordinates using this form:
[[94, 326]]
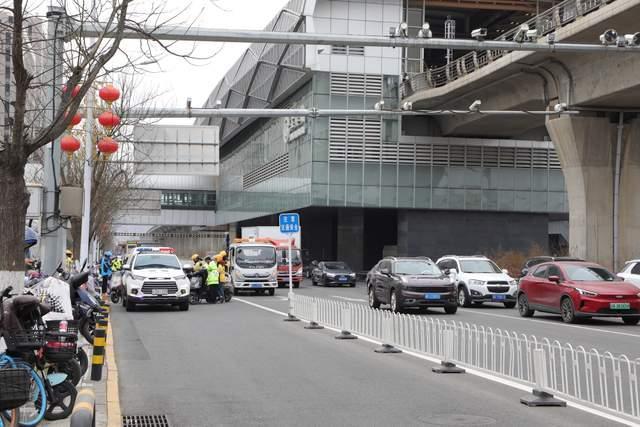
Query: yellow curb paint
[[114, 413]]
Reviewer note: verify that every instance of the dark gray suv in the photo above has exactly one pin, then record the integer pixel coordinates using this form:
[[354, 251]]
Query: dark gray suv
[[410, 283]]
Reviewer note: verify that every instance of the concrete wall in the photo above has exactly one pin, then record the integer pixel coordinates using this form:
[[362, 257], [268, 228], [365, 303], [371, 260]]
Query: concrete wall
[[437, 233]]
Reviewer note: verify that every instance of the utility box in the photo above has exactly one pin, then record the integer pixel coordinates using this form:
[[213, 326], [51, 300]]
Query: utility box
[[71, 201]]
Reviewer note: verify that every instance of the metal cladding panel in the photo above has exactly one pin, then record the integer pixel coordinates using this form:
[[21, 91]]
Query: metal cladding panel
[[177, 150]]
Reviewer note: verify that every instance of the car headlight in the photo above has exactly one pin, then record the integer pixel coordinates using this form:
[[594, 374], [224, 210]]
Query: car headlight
[[586, 293], [474, 282], [273, 276], [137, 278], [352, 275], [512, 283], [237, 276], [330, 275], [298, 272]]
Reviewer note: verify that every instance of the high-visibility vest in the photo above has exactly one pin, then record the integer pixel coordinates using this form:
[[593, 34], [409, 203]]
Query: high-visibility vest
[[213, 277]]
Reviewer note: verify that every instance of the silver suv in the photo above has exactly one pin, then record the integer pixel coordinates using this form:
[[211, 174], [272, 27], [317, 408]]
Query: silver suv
[[479, 280]]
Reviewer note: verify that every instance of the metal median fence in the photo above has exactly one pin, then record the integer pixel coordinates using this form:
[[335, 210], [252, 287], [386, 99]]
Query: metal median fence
[[603, 380]]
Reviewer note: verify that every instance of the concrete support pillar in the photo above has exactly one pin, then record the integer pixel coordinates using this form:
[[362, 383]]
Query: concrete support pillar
[[351, 237], [586, 148], [629, 245]]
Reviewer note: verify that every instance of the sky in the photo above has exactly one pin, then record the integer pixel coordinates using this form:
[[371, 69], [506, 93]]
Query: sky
[[175, 79]]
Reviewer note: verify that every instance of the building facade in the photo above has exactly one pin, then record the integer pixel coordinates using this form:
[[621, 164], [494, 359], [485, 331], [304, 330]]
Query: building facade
[[367, 187]]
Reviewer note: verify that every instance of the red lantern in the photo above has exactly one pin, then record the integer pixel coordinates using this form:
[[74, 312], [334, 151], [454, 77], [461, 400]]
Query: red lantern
[[75, 120], [109, 120], [69, 144], [74, 92], [107, 146], [109, 93]]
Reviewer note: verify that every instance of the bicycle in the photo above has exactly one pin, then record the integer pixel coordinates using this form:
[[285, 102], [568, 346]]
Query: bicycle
[[32, 412]]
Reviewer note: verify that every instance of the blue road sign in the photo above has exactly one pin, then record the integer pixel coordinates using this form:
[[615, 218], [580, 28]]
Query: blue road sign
[[289, 223]]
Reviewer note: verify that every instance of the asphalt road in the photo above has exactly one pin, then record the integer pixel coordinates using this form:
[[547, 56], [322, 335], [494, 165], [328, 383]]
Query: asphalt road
[[235, 364], [602, 334]]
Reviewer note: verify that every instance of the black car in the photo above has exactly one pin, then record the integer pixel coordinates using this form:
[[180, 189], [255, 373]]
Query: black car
[[410, 283], [334, 273], [543, 258]]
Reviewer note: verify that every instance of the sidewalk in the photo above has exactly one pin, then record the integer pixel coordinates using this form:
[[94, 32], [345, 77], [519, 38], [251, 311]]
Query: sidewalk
[[106, 390]]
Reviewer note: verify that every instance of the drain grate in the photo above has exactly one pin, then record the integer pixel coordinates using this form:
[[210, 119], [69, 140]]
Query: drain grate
[[145, 421]]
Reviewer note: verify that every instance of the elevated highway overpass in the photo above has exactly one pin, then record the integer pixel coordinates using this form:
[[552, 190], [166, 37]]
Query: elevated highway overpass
[[599, 149]]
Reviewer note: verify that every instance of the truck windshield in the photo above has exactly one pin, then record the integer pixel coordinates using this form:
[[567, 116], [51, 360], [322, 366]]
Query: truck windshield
[[256, 257], [283, 255]]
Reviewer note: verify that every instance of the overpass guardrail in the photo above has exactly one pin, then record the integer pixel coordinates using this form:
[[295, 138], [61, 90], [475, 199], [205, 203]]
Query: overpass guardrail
[[599, 379], [546, 22]]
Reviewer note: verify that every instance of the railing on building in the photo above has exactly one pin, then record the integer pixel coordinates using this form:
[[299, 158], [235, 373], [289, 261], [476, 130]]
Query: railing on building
[[590, 376], [547, 22]]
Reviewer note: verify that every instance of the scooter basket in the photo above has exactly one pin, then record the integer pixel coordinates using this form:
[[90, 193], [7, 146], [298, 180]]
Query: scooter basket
[[60, 346], [15, 387], [21, 340]]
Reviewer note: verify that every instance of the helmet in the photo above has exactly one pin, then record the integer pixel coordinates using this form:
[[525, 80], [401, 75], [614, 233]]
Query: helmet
[[217, 258], [195, 257], [108, 254], [223, 254], [68, 252]]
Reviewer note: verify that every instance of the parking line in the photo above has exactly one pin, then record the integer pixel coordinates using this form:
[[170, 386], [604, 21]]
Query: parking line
[[471, 371], [552, 324]]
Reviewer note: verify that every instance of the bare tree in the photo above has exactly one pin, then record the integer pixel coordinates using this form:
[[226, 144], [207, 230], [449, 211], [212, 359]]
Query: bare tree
[[34, 119]]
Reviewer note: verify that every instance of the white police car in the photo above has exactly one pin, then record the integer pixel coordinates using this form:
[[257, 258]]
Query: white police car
[[154, 276]]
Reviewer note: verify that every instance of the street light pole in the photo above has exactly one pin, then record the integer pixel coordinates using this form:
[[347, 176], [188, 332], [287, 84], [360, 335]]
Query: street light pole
[[88, 176]]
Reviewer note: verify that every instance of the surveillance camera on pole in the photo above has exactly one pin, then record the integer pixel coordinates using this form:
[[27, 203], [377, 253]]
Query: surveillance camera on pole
[[475, 106], [189, 103], [392, 31], [551, 38], [402, 30], [521, 34], [532, 35], [218, 104], [479, 34], [425, 32], [379, 106], [560, 107], [632, 39], [407, 106], [609, 37]]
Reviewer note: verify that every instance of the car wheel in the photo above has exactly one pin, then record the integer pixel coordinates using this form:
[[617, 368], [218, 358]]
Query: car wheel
[[567, 311], [124, 299], [450, 309], [131, 306], [272, 292], [394, 301], [235, 292], [523, 306], [313, 282], [631, 320], [352, 285], [373, 300], [184, 306], [463, 297], [510, 304]]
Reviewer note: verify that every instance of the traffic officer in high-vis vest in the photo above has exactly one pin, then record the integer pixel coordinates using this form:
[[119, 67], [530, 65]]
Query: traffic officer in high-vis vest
[[213, 279]]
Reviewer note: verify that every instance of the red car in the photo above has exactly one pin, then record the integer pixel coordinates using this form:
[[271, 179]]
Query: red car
[[577, 290]]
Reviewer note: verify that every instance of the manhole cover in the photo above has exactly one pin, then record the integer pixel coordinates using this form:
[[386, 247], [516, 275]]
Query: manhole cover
[[458, 420], [145, 421]]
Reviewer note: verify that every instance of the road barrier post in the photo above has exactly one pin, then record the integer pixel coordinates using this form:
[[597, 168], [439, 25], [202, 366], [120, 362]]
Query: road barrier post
[[540, 394], [345, 333], [97, 359], [387, 336], [313, 324], [84, 410], [446, 365], [290, 315], [102, 324]]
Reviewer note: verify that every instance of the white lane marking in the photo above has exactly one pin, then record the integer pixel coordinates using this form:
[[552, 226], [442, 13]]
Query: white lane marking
[[559, 323], [478, 373], [349, 299], [283, 298]]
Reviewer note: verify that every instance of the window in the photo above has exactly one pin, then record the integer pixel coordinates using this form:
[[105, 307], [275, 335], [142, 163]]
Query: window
[[417, 267], [193, 200], [156, 261], [588, 273], [385, 264], [478, 266], [541, 272], [555, 271], [447, 264], [636, 268], [336, 266]]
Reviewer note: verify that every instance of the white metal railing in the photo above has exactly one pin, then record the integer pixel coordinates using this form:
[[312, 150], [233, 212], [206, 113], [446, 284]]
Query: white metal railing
[[600, 379], [548, 21]]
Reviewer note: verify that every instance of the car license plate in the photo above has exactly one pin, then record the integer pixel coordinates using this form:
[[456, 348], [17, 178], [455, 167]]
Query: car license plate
[[342, 279], [620, 306], [499, 297], [431, 296], [159, 291], [256, 285]]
